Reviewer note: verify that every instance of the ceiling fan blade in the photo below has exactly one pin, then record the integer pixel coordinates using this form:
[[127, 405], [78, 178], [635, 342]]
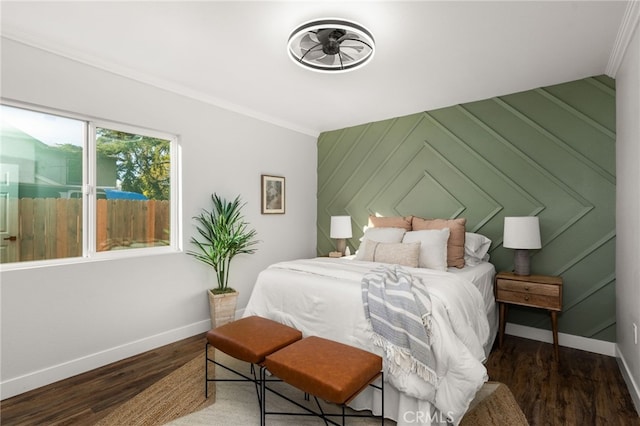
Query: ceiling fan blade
[[328, 59], [346, 57], [350, 36], [356, 48], [314, 55], [314, 48], [307, 42]]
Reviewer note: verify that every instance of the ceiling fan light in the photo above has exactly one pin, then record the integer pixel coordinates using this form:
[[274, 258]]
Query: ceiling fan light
[[317, 45]]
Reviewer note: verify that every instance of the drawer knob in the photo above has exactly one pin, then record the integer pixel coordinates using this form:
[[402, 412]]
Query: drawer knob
[[526, 298], [526, 288]]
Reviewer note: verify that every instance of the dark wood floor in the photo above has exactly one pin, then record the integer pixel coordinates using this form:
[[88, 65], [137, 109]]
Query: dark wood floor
[[87, 398], [582, 388]]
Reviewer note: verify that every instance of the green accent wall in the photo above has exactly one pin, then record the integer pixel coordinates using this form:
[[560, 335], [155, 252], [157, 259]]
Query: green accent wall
[[548, 152]]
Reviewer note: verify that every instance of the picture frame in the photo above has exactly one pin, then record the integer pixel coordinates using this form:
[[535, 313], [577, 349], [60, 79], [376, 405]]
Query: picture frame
[[273, 194]]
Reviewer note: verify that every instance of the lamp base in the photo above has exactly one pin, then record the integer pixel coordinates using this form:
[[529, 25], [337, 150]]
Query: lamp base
[[341, 245], [522, 262]]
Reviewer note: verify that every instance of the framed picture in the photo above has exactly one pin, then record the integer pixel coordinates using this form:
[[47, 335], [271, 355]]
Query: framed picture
[[273, 194]]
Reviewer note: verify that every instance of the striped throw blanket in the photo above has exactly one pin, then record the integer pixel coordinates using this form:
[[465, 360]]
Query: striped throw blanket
[[399, 309]]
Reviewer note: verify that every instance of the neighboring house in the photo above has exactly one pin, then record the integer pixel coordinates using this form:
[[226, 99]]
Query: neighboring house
[[46, 171]]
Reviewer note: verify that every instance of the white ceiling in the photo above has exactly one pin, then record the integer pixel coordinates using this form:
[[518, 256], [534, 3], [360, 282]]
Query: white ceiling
[[233, 54]]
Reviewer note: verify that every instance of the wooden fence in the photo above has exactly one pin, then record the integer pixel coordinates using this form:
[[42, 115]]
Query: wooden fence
[[51, 228]]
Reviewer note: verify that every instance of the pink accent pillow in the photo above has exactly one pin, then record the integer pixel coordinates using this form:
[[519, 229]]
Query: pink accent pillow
[[390, 222], [455, 244]]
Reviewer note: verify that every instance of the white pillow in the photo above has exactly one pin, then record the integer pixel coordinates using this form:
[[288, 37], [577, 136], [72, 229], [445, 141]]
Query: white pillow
[[476, 247], [396, 253], [381, 235], [433, 247]]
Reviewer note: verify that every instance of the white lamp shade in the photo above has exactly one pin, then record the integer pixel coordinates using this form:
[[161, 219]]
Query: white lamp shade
[[340, 227], [522, 232]]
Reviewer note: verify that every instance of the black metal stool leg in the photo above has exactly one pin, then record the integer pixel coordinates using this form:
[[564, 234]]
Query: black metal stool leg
[[206, 370], [325, 416], [322, 415], [256, 382], [382, 396], [263, 396]]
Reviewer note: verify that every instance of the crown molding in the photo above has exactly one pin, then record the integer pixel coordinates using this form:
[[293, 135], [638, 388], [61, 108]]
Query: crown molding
[[628, 25], [150, 80]]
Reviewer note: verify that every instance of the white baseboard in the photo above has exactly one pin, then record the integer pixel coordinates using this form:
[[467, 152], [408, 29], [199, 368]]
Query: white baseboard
[[634, 389], [46, 376], [568, 340]]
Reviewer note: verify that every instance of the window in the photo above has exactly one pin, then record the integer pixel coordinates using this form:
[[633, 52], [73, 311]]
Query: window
[[80, 188]]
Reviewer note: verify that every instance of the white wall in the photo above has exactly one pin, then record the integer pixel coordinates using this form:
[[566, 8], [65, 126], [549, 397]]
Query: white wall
[[61, 320], [628, 215]]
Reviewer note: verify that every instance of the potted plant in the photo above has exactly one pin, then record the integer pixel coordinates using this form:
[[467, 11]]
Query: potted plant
[[223, 234]]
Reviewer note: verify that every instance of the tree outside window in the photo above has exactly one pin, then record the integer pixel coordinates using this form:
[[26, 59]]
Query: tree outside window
[[44, 212]]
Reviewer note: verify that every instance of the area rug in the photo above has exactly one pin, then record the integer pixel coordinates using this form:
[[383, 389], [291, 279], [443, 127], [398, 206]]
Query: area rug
[[178, 400], [172, 397], [237, 404], [494, 405]]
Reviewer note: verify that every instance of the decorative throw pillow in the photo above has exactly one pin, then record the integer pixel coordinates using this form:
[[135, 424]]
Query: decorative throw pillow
[[455, 245], [396, 253], [381, 235], [433, 247], [390, 222], [476, 245]]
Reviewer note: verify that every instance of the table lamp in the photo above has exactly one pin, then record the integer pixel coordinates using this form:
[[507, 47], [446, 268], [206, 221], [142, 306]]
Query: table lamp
[[340, 230], [522, 234]]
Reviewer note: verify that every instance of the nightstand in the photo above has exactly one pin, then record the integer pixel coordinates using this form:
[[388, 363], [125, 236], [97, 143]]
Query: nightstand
[[537, 291]]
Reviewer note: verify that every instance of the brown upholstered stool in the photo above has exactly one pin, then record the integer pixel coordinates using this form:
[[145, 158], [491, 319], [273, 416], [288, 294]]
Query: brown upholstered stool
[[248, 339], [328, 370]]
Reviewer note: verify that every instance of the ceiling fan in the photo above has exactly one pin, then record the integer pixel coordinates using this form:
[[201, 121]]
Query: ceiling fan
[[331, 45]]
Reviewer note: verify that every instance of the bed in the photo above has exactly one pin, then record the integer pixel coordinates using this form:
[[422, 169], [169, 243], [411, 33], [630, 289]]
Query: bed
[[324, 297]]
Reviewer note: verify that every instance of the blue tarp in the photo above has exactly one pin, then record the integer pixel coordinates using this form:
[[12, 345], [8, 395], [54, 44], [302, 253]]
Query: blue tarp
[[114, 194]]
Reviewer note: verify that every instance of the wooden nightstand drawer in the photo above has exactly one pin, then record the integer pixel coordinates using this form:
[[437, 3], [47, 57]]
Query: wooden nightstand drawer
[[540, 291], [529, 299], [531, 288]]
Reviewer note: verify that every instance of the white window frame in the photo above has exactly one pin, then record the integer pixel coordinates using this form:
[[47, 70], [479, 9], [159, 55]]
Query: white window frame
[[89, 203]]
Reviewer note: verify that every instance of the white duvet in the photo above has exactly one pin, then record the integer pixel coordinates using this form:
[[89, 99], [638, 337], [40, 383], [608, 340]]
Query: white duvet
[[322, 297]]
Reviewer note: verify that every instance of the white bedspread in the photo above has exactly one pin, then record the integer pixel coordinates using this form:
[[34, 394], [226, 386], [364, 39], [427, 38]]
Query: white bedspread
[[322, 297]]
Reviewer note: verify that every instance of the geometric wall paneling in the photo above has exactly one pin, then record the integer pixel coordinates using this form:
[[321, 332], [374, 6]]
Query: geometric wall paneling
[[548, 152]]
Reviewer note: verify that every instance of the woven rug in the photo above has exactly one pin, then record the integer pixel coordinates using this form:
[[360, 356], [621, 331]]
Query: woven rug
[[178, 400], [172, 397], [494, 405]]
